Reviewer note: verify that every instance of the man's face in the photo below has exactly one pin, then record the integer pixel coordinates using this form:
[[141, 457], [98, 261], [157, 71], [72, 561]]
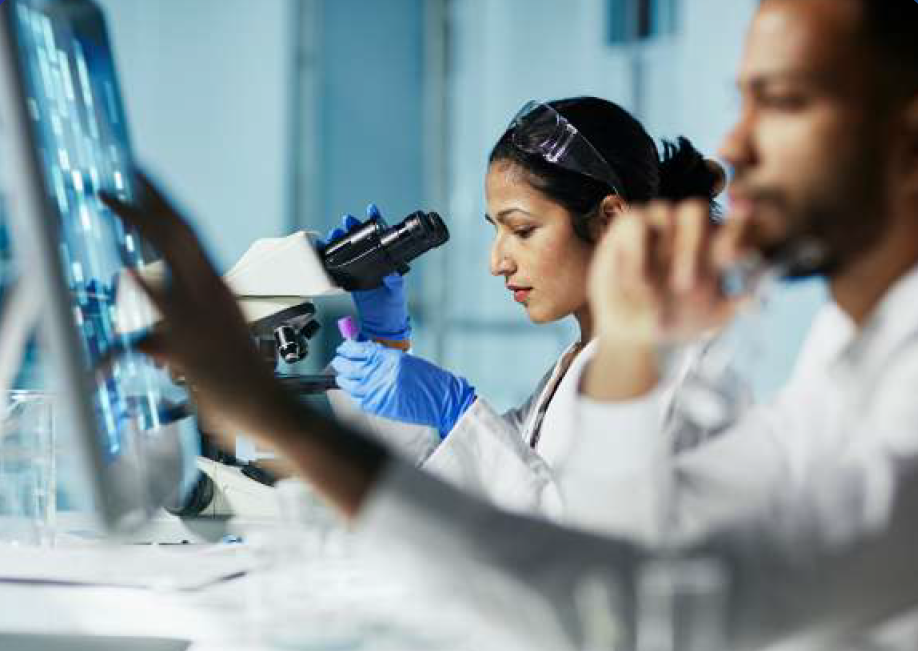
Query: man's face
[[808, 150]]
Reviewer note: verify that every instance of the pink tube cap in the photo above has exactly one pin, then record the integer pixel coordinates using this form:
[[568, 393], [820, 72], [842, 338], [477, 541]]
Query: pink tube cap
[[348, 327]]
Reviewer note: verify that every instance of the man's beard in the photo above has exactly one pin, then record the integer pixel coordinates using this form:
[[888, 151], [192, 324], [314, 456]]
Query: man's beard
[[798, 251], [803, 253], [826, 235]]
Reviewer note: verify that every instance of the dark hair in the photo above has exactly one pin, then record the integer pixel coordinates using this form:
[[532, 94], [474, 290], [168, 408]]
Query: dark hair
[[891, 29], [621, 140]]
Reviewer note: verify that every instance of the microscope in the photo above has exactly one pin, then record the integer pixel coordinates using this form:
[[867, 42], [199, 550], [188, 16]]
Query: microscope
[[274, 283], [276, 278]]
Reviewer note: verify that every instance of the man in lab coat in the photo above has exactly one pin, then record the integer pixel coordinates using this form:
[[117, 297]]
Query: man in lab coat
[[810, 503], [824, 165]]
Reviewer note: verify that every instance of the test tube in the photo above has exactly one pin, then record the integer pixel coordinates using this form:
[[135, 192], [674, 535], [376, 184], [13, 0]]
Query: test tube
[[348, 327]]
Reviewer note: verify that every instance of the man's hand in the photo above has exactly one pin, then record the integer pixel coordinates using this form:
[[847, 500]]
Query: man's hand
[[205, 337], [655, 282], [203, 334]]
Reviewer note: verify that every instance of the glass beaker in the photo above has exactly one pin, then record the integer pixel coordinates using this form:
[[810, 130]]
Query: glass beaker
[[28, 473]]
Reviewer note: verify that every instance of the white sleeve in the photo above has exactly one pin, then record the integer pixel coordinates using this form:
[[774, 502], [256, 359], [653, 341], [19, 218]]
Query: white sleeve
[[639, 471], [643, 491], [415, 443], [494, 565], [419, 443], [643, 471], [525, 573], [609, 481], [486, 455]]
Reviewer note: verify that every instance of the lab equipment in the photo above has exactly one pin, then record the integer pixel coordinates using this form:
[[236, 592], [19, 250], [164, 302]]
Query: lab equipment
[[225, 490], [65, 139], [27, 468], [274, 283], [383, 310], [394, 384], [348, 328], [710, 395], [539, 129], [276, 278], [363, 257], [755, 275]]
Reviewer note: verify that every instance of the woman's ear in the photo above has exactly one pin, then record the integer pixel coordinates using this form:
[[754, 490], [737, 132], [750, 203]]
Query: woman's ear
[[610, 208]]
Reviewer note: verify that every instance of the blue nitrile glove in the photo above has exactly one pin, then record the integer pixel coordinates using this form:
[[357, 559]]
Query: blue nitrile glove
[[383, 311], [390, 383]]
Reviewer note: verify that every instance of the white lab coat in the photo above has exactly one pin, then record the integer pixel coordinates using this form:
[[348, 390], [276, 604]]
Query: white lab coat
[[492, 456], [811, 501], [510, 458]]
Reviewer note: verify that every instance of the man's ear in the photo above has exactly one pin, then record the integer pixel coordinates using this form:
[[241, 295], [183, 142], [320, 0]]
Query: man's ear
[[611, 207]]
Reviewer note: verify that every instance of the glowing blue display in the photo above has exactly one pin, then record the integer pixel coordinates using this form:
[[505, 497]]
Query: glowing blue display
[[79, 127]]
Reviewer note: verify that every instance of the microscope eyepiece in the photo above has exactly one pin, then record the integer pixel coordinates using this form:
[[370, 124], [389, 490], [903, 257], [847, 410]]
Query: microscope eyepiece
[[364, 256]]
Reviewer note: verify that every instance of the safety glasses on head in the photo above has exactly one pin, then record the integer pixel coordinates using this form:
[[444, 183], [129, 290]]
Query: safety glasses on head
[[540, 130]]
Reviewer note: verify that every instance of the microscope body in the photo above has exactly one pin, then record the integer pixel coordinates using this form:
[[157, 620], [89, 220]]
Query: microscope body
[[274, 283]]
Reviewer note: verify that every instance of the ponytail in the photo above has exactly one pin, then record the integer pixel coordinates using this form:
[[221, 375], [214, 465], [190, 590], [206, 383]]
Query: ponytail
[[686, 174]]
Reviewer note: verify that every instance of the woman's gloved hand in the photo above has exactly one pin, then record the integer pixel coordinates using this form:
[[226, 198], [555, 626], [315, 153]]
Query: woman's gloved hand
[[390, 383], [383, 311]]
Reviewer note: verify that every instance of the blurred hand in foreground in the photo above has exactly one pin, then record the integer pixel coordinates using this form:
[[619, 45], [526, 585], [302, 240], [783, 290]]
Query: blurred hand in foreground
[[656, 281], [203, 334]]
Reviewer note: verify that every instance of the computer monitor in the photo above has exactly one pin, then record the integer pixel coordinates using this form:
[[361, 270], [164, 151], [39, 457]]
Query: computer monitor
[[64, 138]]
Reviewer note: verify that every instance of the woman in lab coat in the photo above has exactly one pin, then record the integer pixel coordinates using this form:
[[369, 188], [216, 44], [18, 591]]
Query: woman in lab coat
[[558, 175]]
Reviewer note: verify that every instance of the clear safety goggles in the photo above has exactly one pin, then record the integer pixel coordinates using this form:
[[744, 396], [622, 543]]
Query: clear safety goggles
[[539, 129]]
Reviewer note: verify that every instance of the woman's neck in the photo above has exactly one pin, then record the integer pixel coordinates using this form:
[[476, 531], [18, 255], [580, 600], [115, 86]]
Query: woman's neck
[[585, 320]]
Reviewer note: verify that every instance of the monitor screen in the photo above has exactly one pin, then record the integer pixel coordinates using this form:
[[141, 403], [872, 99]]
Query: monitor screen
[[79, 137]]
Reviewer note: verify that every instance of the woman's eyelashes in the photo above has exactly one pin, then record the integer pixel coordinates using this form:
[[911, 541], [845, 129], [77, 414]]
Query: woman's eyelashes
[[523, 232]]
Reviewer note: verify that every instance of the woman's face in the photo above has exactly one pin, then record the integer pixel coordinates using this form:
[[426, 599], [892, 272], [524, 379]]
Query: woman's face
[[535, 249]]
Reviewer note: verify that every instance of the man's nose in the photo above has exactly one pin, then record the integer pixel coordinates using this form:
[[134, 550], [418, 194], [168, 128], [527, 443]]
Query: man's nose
[[736, 148]]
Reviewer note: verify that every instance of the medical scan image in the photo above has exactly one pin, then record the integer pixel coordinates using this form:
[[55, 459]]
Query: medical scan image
[[75, 108]]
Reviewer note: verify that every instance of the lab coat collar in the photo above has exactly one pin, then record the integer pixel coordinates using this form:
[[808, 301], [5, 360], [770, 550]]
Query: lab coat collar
[[894, 321]]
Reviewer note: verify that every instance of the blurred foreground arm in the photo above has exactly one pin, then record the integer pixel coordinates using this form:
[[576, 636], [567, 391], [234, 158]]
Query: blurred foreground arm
[[790, 577], [788, 586]]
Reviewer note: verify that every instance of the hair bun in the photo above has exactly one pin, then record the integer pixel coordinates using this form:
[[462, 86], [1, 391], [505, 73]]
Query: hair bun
[[686, 174], [721, 173]]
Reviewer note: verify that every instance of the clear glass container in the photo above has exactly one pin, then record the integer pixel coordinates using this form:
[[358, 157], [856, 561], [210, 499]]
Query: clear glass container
[[28, 469]]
